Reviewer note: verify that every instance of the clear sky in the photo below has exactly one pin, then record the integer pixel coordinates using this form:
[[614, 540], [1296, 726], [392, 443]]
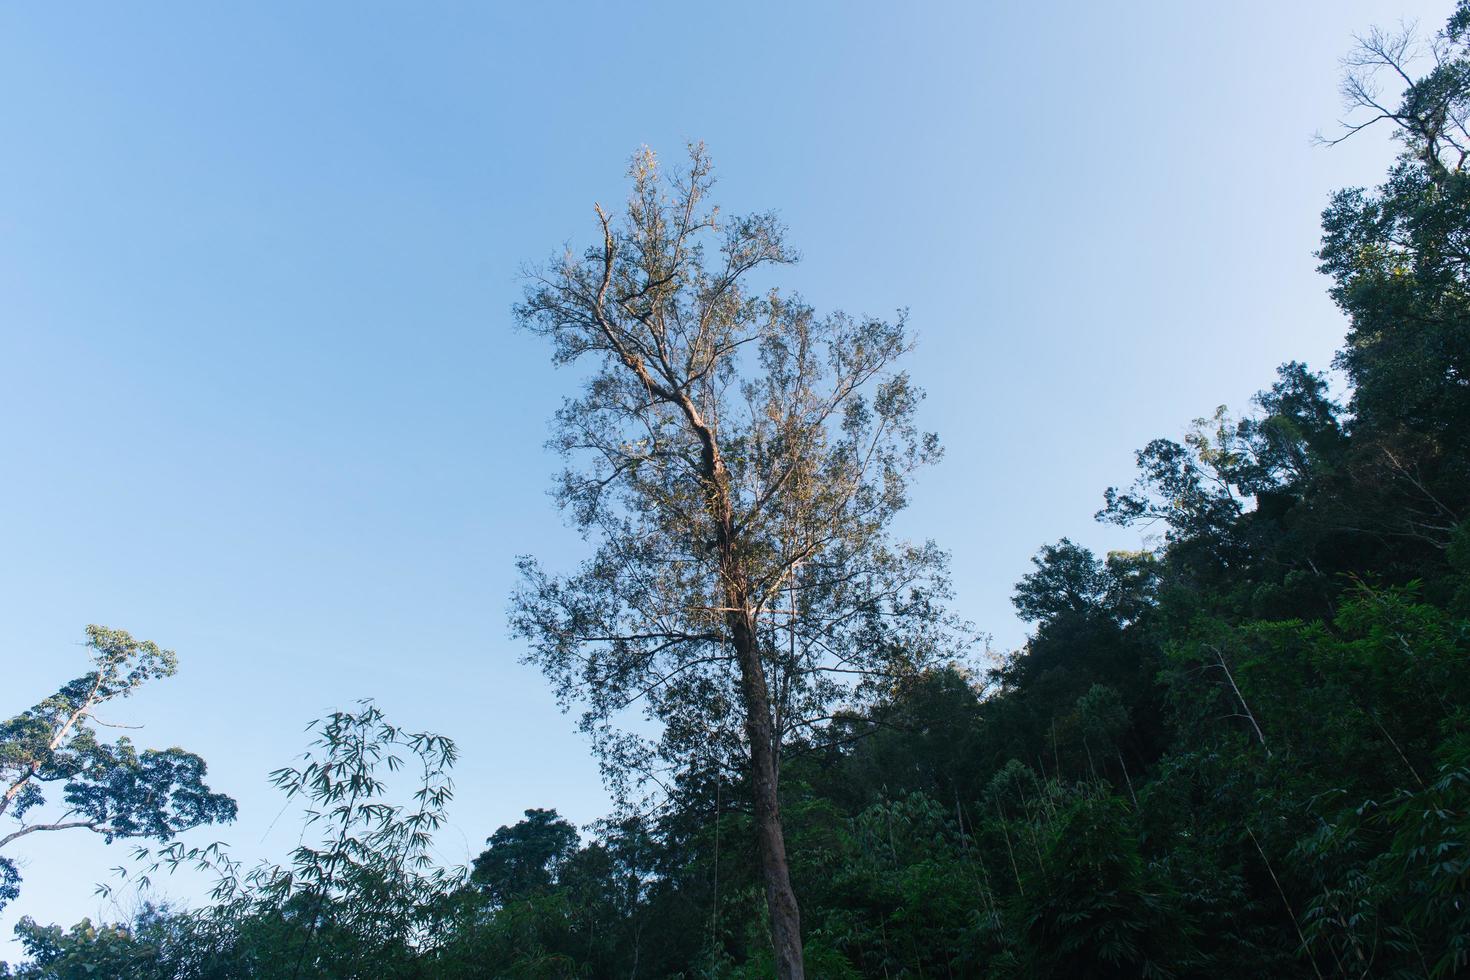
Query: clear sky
[[260, 398]]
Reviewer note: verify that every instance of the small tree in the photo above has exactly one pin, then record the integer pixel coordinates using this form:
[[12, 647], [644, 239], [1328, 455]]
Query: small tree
[[109, 788], [364, 898], [738, 460]]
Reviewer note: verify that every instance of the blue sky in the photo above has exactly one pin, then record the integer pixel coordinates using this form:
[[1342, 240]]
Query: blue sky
[[260, 398]]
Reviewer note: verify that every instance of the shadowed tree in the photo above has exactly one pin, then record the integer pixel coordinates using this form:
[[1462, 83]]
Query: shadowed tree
[[1399, 258], [737, 459], [525, 858], [1068, 580]]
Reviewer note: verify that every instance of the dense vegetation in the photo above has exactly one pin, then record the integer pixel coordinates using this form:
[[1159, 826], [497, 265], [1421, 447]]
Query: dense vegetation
[[1246, 751]]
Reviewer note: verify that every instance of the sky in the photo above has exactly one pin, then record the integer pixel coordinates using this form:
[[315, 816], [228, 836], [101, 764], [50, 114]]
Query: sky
[[261, 400]]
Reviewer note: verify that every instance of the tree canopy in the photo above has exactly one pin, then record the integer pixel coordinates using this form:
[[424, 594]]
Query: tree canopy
[[738, 460], [109, 788]]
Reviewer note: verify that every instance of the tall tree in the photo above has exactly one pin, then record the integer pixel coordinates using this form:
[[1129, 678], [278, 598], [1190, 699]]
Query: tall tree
[[108, 788], [1399, 259], [738, 460]]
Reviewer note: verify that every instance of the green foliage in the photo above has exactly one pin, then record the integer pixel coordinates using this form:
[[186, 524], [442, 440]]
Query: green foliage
[[526, 858], [1244, 753], [1096, 908], [88, 952], [109, 788], [364, 898]]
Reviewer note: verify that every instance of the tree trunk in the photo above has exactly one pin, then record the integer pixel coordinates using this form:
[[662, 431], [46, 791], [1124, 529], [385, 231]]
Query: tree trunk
[[759, 726], [770, 839]]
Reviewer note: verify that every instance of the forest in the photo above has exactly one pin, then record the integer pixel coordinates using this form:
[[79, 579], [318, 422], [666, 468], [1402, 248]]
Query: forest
[[1241, 750]]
